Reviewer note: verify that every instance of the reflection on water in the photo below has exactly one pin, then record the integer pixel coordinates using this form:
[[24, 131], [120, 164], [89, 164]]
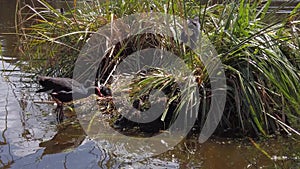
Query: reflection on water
[[7, 22], [31, 138], [69, 136]]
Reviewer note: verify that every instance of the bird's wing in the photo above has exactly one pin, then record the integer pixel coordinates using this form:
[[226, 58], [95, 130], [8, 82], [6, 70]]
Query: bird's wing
[[61, 84], [67, 84]]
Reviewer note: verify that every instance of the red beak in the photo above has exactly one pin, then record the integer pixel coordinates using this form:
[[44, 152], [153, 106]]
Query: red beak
[[99, 92]]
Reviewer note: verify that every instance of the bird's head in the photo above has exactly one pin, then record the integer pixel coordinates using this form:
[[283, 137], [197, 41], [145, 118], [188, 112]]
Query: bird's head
[[101, 91], [105, 91]]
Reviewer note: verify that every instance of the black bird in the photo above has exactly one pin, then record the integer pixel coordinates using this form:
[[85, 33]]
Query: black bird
[[65, 90]]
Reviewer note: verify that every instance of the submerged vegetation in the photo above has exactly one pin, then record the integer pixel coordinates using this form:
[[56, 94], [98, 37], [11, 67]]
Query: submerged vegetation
[[259, 51]]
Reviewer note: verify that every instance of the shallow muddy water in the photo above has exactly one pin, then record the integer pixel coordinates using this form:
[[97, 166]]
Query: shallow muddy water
[[31, 137]]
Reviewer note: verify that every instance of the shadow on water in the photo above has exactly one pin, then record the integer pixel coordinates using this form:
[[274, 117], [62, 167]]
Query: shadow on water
[[31, 138]]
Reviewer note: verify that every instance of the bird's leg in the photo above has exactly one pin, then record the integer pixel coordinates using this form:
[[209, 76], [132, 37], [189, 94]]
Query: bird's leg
[[60, 114], [59, 110]]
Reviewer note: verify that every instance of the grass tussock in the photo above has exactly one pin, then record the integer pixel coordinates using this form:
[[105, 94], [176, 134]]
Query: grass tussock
[[260, 55]]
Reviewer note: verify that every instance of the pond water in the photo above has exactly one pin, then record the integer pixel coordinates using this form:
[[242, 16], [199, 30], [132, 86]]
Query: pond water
[[31, 137]]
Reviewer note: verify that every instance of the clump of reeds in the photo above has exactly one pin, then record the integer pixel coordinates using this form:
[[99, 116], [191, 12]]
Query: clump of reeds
[[260, 56]]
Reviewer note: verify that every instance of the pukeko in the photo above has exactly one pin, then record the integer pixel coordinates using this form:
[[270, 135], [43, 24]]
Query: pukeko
[[65, 90]]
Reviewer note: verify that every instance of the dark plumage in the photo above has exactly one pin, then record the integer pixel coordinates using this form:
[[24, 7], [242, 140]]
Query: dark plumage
[[105, 91], [65, 90]]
